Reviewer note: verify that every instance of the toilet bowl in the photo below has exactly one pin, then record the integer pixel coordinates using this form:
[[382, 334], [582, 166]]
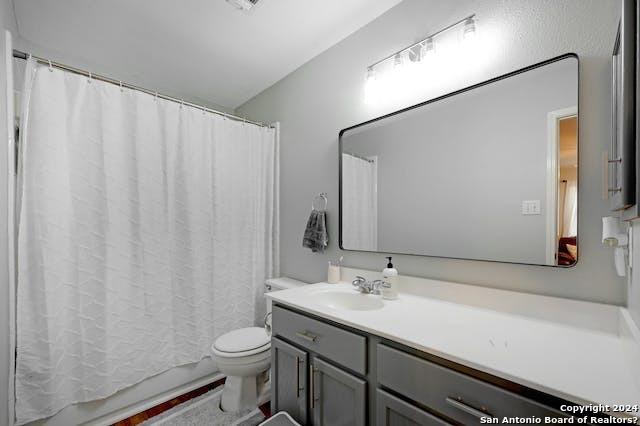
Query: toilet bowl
[[244, 356]]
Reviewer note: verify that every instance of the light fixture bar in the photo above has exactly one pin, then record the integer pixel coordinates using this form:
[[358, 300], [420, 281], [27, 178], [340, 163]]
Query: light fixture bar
[[455, 24]]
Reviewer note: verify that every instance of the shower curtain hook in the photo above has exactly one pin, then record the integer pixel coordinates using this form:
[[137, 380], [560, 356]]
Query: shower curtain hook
[[155, 97], [181, 103], [90, 77], [120, 82], [50, 65]]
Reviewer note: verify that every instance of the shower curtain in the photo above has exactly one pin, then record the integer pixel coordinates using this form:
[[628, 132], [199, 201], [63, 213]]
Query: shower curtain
[[359, 203], [569, 209], [146, 230]]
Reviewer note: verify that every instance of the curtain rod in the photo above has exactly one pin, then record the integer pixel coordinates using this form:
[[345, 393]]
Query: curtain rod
[[360, 157], [22, 55]]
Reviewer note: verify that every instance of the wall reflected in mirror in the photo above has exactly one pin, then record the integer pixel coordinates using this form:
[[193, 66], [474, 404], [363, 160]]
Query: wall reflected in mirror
[[487, 173]]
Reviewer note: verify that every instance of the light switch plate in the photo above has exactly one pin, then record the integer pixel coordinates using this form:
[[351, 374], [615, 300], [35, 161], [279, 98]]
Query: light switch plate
[[531, 207]]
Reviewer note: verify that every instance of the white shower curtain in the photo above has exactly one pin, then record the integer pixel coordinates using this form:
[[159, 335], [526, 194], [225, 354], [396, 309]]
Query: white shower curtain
[[359, 203], [146, 230], [569, 209]]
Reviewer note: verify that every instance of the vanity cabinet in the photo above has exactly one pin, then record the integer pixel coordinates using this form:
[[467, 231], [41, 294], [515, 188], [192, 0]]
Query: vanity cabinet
[[317, 371], [454, 395], [325, 374]]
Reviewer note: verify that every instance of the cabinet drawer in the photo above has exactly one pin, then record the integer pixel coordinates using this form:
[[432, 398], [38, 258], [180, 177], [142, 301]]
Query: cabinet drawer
[[392, 411], [457, 396], [338, 345]]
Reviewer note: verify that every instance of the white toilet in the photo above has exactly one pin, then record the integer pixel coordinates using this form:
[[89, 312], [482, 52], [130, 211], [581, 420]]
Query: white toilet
[[244, 356]]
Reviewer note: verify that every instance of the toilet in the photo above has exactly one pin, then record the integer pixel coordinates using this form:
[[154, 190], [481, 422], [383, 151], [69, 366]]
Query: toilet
[[244, 356]]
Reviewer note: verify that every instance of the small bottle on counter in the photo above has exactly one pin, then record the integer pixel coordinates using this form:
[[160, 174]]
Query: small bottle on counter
[[390, 278]]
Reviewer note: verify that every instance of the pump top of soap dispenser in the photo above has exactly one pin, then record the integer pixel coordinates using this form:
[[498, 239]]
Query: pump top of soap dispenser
[[389, 264]]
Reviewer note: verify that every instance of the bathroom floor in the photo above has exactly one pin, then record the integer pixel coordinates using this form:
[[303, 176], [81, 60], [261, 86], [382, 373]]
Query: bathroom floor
[[158, 409]]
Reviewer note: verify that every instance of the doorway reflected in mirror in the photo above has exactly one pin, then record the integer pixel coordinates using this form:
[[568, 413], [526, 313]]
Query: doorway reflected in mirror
[[567, 253]]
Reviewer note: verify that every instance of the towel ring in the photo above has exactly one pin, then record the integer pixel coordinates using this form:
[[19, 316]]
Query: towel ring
[[320, 197]]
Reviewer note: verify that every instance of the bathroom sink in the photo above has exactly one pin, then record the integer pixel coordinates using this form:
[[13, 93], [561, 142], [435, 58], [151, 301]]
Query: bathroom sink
[[348, 301]]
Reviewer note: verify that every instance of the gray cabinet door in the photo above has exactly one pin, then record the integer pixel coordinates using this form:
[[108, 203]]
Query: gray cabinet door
[[289, 366], [392, 411], [337, 397]]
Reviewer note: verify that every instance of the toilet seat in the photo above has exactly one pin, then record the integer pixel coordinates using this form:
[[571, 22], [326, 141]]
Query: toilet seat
[[242, 342]]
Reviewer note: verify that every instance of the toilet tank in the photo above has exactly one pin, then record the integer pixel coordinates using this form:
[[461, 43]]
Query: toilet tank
[[282, 283]]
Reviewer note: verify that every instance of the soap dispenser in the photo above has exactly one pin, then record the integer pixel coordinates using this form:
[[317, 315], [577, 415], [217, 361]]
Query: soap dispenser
[[390, 281]]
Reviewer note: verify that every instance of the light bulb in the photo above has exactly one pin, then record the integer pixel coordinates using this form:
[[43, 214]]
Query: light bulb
[[371, 86], [415, 53], [398, 61], [428, 48], [371, 74], [469, 30]]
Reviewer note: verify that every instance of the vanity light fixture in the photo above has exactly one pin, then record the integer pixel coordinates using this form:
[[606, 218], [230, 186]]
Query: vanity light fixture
[[417, 54], [427, 46]]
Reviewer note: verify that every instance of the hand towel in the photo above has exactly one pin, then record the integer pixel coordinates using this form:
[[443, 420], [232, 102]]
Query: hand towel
[[315, 234]]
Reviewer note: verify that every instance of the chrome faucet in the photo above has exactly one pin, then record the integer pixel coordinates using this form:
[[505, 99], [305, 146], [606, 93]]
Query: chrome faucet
[[368, 287]]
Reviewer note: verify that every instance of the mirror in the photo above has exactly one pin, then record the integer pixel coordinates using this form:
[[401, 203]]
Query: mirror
[[489, 172]]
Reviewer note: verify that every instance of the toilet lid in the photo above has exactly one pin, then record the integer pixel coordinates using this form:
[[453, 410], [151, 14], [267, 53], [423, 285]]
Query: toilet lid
[[242, 340]]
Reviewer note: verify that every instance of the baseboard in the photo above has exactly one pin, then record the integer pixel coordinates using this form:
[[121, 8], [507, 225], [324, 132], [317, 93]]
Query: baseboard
[[132, 410]]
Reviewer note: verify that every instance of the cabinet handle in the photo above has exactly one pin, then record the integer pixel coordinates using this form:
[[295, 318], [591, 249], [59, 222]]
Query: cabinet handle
[[313, 387], [307, 336], [314, 398], [297, 377], [457, 403]]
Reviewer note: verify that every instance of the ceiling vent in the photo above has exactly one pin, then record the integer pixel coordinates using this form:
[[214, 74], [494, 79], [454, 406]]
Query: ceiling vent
[[243, 4]]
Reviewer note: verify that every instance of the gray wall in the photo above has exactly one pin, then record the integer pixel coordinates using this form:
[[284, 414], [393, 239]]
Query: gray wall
[[452, 175], [326, 95], [7, 21]]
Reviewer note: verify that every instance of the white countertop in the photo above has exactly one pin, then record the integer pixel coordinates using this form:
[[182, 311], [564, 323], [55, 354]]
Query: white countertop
[[587, 353]]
